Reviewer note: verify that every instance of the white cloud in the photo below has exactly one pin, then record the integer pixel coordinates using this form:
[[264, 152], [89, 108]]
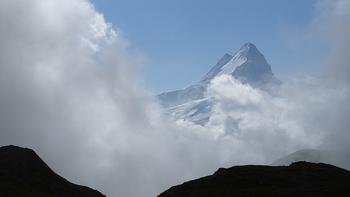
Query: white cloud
[[226, 86], [262, 124], [68, 90]]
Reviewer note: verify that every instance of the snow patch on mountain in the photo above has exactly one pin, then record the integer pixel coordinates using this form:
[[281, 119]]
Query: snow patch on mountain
[[247, 71]]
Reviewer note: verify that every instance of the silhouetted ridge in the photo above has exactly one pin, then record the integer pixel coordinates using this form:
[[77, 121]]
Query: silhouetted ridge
[[24, 173], [300, 179]]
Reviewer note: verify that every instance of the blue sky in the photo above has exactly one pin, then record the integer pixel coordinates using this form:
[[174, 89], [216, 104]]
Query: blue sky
[[181, 40]]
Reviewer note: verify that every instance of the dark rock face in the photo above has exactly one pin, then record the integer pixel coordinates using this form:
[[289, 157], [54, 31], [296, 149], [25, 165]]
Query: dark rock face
[[24, 174], [299, 179]]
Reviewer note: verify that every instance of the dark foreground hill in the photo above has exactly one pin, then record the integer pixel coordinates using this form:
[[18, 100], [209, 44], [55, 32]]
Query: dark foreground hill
[[300, 179], [24, 174]]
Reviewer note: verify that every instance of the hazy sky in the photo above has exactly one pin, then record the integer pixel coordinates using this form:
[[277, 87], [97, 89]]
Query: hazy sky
[[185, 38]]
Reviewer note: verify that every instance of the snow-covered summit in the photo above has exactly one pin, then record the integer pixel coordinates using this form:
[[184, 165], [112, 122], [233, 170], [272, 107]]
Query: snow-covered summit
[[228, 63], [248, 65]]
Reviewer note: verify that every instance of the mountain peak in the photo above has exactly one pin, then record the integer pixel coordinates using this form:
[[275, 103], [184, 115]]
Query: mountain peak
[[250, 51], [247, 65], [247, 57], [248, 45]]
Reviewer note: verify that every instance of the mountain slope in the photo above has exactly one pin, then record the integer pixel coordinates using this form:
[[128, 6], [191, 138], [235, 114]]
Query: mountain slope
[[248, 65], [298, 180], [23, 173]]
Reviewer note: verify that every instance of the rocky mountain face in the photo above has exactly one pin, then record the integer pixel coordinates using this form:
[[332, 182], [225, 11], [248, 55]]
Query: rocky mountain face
[[300, 179], [248, 65], [23, 173]]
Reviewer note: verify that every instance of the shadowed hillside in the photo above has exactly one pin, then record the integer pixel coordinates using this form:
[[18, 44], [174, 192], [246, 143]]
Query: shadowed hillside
[[298, 179], [24, 174]]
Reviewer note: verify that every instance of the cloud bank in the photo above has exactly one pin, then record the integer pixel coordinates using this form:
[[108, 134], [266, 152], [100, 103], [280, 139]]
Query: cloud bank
[[69, 89]]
